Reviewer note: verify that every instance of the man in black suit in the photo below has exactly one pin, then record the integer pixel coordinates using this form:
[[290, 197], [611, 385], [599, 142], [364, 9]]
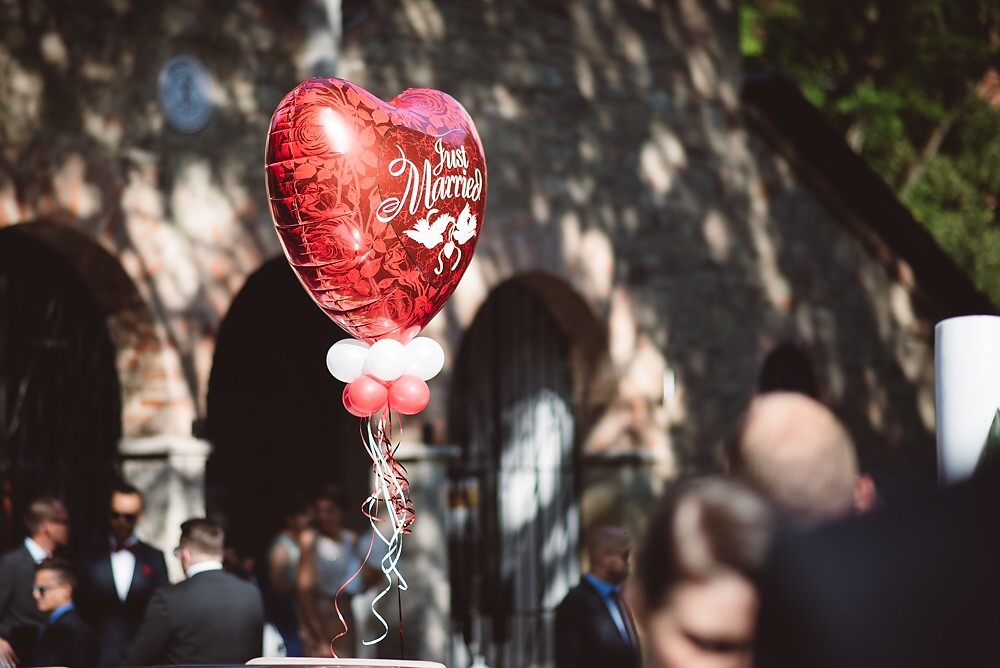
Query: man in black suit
[[593, 625], [118, 577], [66, 639], [916, 584], [20, 620], [213, 617]]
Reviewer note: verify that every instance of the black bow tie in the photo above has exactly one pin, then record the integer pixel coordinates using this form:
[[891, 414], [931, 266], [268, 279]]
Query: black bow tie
[[125, 546]]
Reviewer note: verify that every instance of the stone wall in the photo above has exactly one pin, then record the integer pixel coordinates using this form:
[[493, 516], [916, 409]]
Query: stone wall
[[87, 147], [620, 163]]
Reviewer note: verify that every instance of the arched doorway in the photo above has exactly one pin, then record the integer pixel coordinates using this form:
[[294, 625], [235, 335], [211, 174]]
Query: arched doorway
[[60, 399], [788, 368], [512, 414], [274, 414]]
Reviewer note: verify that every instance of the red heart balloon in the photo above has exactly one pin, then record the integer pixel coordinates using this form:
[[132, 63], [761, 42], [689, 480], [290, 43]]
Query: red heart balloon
[[378, 205]]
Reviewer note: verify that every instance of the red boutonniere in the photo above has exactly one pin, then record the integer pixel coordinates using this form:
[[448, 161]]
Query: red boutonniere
[[147, 570]]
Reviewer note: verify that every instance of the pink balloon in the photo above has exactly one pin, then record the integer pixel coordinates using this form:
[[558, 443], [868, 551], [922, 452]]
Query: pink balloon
[[365, 396], [347, 402], [408, 395]]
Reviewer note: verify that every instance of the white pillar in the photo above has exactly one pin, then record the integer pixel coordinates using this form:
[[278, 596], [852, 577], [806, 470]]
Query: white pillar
[[967, 390]]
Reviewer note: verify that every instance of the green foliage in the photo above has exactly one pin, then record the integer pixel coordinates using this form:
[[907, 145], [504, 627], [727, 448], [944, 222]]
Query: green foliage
[[951, 207], [977, 146], [751, 44], [902, 81]]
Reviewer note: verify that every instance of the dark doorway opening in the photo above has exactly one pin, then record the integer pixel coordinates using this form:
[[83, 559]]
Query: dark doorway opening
[[60, 399], [275, 416], [789, 368]]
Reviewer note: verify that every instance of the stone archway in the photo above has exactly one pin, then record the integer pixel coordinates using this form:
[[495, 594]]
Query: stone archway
[[60, 391], [130, 323], [788, 367], [528, 374]]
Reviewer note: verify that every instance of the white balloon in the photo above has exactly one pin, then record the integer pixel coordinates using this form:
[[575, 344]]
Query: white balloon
[[425, 357], [346, 359], [386, 360]]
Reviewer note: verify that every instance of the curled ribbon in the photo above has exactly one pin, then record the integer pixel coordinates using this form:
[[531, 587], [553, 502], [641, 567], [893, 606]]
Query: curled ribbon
[[391, 492]]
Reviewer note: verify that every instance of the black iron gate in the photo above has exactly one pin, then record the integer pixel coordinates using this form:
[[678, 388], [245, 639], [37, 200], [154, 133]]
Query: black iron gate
[[516, 555], [60, 402]]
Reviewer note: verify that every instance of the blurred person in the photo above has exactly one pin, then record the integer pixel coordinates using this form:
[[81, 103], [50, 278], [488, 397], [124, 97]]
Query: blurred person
[[66, 639], [330, 574], [283, 574], [118, 576], [795, 451], [593, 625], [241, 563], [47, 522], [283, 555], [212, 617], [694, 593], [915, 584]]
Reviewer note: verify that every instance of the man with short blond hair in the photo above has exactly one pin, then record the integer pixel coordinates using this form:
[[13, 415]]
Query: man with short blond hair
[[800, 456], [20, 620], [213, 617]]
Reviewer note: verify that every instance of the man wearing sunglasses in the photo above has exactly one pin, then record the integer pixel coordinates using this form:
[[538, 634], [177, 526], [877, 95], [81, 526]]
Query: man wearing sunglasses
[[66, 640], [118, 577]]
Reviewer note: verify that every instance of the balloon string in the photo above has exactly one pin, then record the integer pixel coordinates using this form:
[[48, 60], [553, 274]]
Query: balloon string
[[390, 475], [391, 493], [399, 603], [336, 597]]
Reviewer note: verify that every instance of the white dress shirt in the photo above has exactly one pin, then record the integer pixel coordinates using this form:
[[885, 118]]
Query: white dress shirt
[[123, 567], [36, 551], [202, 566]]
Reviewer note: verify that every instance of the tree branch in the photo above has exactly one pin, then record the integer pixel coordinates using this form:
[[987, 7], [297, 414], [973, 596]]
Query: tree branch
[[919, 167]]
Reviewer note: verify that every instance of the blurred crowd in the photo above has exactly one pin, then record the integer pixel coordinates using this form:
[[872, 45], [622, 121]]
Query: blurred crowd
[[112, 603], [786, 557]]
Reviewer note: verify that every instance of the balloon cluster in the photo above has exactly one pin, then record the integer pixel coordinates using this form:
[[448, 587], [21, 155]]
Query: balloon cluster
[[386, 374]]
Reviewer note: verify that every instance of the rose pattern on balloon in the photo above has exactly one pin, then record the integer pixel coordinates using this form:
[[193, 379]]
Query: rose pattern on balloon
[[378, 205]]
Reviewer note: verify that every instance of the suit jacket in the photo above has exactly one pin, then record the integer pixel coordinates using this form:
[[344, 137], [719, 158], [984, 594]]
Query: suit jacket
[[20, 618], [115, 621], [586, 633], [68, 642], [915, 585], [211, 618]]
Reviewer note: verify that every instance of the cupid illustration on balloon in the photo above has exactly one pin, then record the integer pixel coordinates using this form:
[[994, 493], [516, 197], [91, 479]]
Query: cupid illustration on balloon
[[431, 235]]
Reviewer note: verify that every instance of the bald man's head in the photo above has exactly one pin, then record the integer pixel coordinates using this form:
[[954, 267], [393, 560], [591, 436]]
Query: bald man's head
[[798, 454]]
